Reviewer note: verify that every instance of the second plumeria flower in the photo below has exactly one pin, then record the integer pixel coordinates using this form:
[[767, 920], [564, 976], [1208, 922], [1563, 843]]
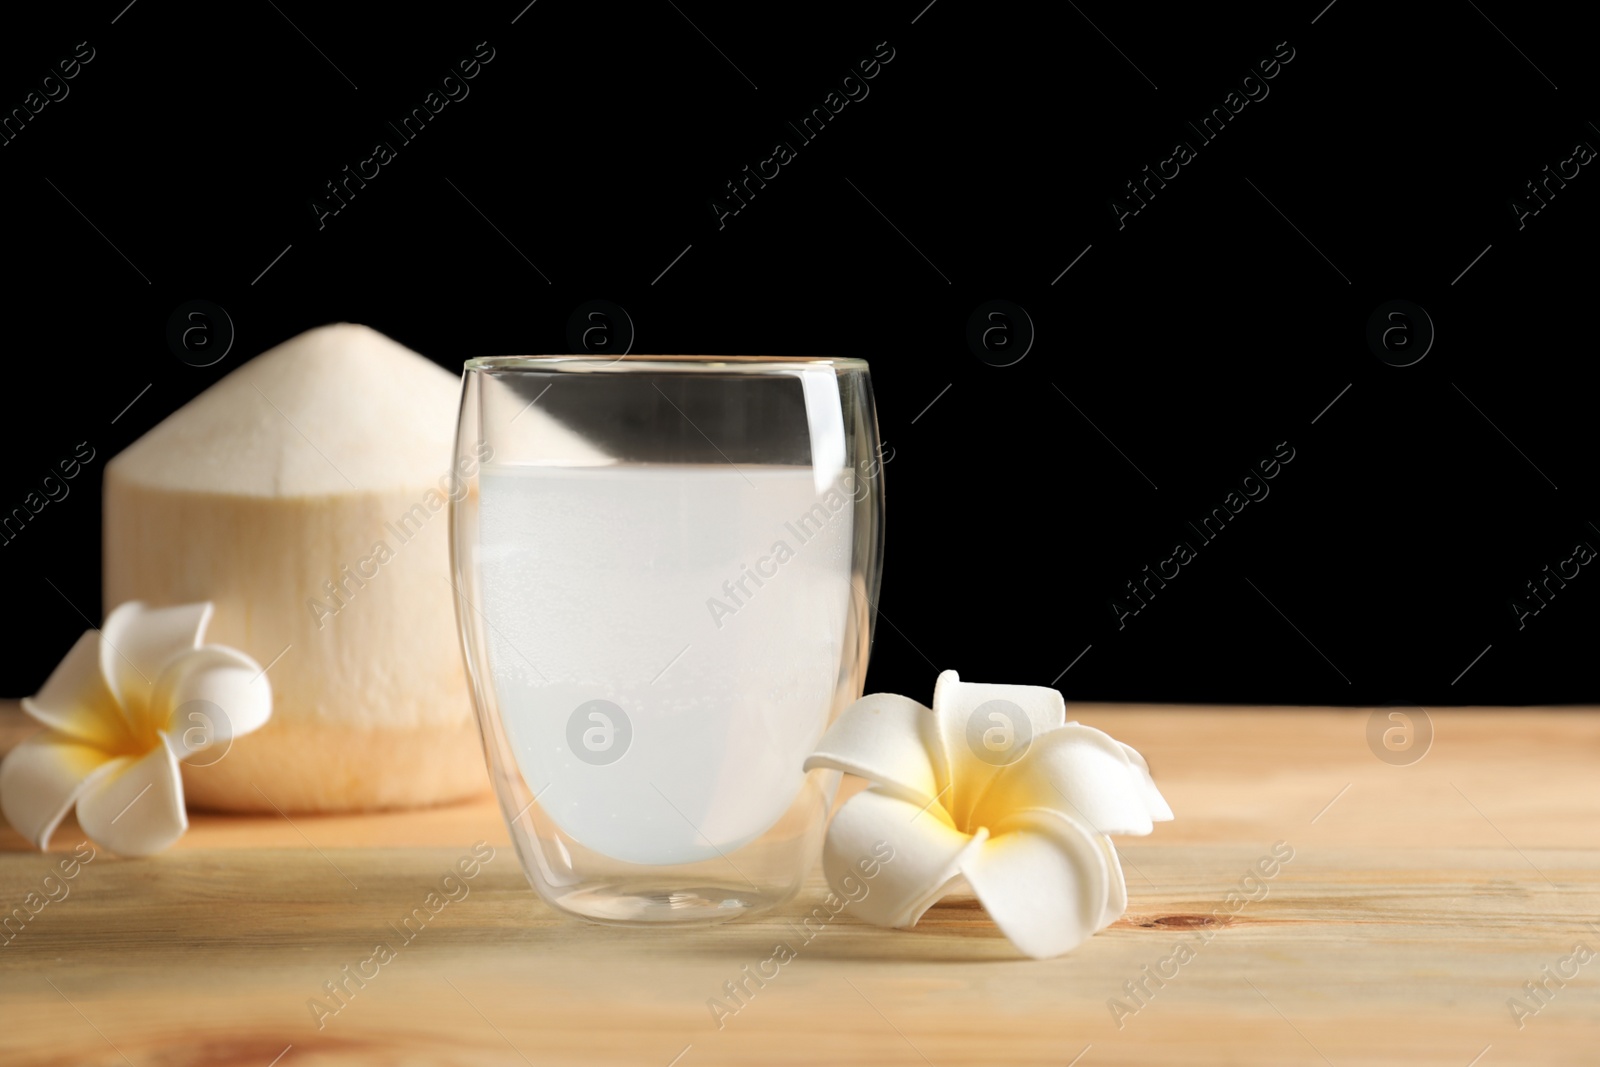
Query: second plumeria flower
[[993, 789]]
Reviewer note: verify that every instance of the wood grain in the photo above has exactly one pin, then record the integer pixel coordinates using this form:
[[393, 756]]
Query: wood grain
[[1418, 900]]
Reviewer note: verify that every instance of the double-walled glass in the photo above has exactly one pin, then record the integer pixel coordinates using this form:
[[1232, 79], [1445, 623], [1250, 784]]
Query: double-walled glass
[[666, 570]]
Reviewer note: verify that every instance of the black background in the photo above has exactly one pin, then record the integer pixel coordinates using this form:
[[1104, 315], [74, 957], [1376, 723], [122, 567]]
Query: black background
[[1197, 337]]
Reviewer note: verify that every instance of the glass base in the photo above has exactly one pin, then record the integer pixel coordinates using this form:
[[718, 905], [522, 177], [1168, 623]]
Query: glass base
[[641, 904]]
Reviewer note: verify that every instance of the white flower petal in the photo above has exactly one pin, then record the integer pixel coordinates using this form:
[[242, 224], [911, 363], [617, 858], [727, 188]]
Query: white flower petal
[[888, 739], [76, 700], [1044, 882], [1117, 898], [965, 725], [1078, 771], [1160, 811], [916, 852], [136, 644], [137, 809], [210, 696], [42, 777]]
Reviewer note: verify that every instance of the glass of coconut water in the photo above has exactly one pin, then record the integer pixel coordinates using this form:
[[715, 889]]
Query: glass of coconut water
[[666, 569]]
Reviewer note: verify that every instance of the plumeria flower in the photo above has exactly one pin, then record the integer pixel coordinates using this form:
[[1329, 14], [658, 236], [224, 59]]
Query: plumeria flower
[[125, 705], [991, 789]]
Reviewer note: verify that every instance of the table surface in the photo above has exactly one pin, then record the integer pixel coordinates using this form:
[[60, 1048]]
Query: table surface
[[1419, 901]]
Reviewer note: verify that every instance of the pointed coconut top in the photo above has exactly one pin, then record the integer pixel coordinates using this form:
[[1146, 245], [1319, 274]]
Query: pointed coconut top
[[336, 410]]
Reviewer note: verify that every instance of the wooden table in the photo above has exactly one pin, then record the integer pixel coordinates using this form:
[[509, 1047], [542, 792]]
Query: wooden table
[[1419, 899]]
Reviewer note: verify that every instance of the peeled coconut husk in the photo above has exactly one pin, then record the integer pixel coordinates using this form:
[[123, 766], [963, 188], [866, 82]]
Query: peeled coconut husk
[[287, 475]]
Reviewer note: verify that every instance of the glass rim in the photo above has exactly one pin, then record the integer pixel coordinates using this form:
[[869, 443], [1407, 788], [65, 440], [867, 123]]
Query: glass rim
[[645, 362]]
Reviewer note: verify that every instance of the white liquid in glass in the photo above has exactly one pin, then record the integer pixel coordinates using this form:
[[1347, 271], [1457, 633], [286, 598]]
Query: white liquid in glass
[[708, 603]]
